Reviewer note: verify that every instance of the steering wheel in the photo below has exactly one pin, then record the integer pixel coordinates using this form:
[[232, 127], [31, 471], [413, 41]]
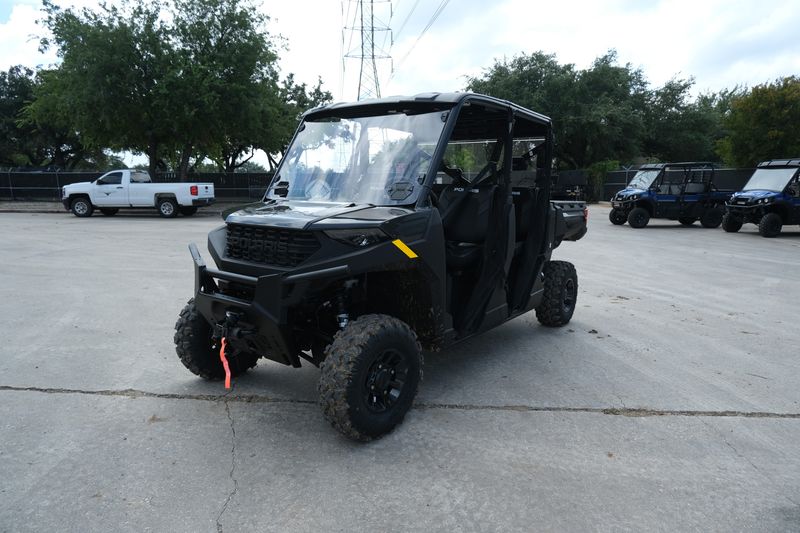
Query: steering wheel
[[318, 190]]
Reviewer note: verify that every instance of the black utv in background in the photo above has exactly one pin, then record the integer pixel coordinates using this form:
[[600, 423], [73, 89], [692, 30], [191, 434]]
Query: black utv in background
[[770, 199], [676, 191], [391, 226]]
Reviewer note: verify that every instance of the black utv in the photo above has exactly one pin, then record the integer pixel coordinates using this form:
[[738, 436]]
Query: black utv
[[390, 226]]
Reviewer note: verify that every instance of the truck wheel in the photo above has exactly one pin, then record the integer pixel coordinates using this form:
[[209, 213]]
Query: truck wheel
[[712, 218], [770, 225], [167, 208], [370, 376], [638, 217], [199, 353], [617, 217], [109, 211], [687, 221], [731, 223], [560, 294], [81, 207], [188, 211]]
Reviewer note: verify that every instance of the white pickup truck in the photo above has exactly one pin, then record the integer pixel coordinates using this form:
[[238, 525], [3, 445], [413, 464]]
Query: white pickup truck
[[133, 188]]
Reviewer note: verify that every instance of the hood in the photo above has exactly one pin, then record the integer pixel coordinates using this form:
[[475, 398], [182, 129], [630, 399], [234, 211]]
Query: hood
[[755, 194], [78, 185], [302, 214], [629, 191]]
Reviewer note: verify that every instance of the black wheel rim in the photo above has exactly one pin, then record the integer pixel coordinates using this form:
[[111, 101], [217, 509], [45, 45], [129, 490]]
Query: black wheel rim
[[568, 297], [385, 380]]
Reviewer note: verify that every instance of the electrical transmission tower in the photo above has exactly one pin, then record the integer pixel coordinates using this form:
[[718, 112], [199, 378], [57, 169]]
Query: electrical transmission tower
[[374, 31]]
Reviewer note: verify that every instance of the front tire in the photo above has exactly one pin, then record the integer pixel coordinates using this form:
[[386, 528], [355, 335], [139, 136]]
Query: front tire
[[188, 211], [617, 217], [199, 352], [731, 223], [712, 218], [81, 207], [638, 217], [770, 225], [560, 294], [370, 376], [109, 211], [167, 208]]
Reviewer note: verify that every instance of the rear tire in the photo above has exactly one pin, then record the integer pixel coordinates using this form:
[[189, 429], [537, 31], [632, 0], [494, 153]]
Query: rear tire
[[731, 223], [167, 208], [188, 211], [560, 294], [109, 211], [687, 221], [638, 217], [81, 207], [370, 376], [617, 217], [770, 225], [198, 351], [712, 218]]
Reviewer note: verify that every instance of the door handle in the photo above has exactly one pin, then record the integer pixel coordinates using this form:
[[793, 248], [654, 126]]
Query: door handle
[[120, 187]]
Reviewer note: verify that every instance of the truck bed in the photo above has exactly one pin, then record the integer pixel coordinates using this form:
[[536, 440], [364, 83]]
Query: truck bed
[[570, 220]]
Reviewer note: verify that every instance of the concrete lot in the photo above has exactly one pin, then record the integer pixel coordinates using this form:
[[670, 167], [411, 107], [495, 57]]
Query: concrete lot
[[671, 402]]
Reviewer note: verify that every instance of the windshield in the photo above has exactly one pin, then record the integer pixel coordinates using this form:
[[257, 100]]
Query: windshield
[[643, 179], [770, 179], [379, 160]]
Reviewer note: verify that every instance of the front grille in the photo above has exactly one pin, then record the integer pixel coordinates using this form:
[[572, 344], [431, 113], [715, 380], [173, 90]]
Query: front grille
[[269, 246]]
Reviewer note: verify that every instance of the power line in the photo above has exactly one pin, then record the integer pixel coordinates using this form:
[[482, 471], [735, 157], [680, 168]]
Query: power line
[[442, 5], [405, 21]]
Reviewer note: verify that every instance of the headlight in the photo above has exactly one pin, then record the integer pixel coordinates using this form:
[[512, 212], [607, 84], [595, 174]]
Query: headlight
[[358, 237]]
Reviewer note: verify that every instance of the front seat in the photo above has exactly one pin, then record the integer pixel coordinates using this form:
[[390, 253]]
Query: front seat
[[465, 217]]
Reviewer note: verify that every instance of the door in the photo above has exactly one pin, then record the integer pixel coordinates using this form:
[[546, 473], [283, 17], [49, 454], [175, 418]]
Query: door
[[108, 190], [140, 193], [793, 191], [668, 194]]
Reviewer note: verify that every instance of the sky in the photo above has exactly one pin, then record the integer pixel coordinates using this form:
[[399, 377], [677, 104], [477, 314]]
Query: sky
[[720, 43]]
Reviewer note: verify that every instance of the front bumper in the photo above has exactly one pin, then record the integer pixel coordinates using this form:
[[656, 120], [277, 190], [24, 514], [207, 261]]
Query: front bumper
[[65, 202], [265, 313], [746, 212], [621, 204]]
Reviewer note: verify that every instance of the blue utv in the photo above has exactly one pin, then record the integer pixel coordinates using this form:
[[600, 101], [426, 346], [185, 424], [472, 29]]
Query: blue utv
[[676, 191], [770, 199]]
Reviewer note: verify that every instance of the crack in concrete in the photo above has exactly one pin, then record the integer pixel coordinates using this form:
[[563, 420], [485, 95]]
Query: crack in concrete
[[233, 462], [742, 456], [258, 398]]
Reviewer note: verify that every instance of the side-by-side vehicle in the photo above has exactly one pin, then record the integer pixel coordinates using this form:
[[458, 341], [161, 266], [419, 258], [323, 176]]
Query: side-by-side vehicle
[[676, 191], [770, 199], [391, 226]]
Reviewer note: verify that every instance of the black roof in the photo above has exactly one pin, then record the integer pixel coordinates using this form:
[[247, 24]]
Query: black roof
[[422, 102], [682, 164], [780, 163]]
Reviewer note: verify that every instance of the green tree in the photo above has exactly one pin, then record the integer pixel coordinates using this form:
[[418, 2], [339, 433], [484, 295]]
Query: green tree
[[762, 124], [203, 85], [47, 142], [113, 84], [597, 112]]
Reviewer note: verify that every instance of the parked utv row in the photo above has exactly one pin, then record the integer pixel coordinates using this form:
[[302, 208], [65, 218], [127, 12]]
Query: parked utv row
[[686, 192]]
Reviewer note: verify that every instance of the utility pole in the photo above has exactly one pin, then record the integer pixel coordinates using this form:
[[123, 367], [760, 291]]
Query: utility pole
[[369, 50]]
